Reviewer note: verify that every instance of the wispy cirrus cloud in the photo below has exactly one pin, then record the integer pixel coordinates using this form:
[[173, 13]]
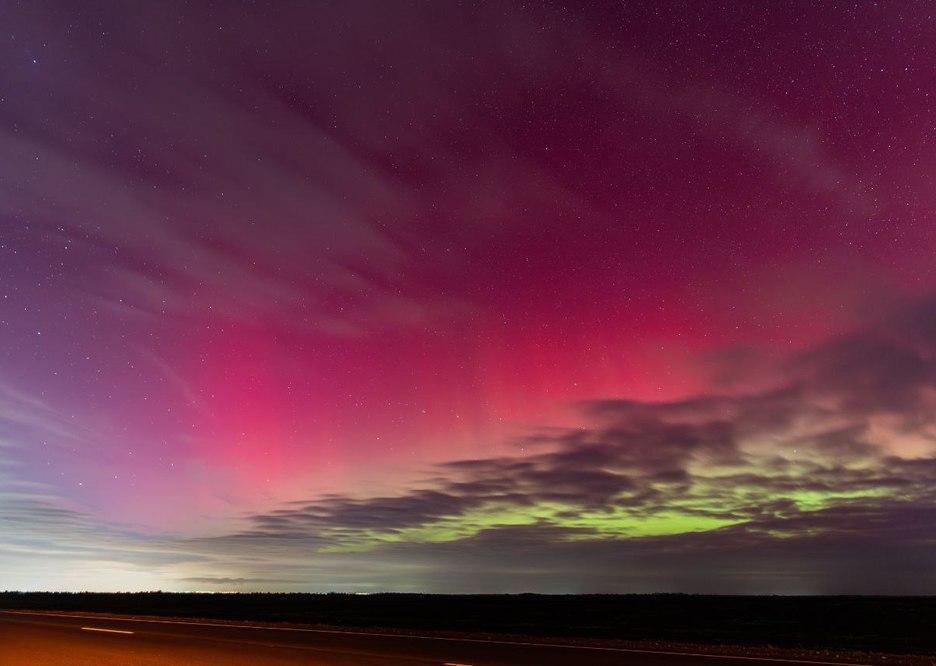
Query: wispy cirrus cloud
[[261, 203]]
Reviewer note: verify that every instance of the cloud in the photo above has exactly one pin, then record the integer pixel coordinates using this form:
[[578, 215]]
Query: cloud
[[799, 471], [25, 414], [213, 191], [48, 541], [221, 580], [808, 486], [219, 178]]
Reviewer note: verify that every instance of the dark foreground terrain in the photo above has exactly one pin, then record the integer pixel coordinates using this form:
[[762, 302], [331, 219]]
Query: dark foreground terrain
[[37, 638], [897, 625]]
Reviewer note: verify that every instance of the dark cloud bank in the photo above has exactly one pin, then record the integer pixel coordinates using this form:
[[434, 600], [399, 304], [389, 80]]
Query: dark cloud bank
[[821, 483], [824, 483]]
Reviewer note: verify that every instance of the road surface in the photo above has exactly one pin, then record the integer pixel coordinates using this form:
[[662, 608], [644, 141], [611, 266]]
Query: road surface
[[36, 639]]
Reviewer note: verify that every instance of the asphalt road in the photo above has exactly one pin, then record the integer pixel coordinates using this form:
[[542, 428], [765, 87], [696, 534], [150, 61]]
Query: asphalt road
[[36, 639]]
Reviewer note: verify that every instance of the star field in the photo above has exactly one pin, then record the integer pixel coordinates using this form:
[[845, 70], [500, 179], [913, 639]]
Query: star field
[[467, 297]]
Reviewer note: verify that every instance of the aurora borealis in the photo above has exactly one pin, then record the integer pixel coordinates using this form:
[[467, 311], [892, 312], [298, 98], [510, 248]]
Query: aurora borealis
[[468, 297]]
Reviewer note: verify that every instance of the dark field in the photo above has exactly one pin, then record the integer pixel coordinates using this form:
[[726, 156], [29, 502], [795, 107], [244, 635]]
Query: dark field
[[883, 624]]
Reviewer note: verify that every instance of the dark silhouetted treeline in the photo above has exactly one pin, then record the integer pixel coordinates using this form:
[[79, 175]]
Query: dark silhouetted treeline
[[888, 624]]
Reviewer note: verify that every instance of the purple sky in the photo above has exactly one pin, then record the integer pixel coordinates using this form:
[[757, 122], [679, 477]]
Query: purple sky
[[468, 297]]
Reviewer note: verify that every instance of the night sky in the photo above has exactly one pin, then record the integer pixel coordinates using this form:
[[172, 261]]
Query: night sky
[[468, 297]]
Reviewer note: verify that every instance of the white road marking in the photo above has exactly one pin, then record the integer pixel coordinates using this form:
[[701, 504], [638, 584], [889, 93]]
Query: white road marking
[[452, 663], [559, 646], [108, 631]]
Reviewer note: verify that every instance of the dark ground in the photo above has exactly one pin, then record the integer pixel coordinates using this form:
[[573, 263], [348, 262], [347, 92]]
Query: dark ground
[[881, 624]]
